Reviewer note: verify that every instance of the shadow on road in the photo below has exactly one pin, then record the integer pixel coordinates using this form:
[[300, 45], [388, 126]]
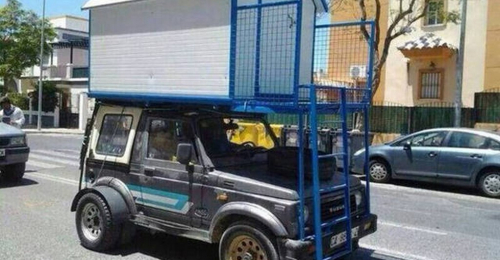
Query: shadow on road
[[23, 182], [162, 246]]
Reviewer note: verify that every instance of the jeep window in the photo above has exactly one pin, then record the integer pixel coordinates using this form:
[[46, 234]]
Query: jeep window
[[234, 137], [164, 137], [114, 135]]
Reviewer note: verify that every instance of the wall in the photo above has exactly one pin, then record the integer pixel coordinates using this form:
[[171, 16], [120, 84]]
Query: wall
[[349, 11], [70, 22], [492, 61]]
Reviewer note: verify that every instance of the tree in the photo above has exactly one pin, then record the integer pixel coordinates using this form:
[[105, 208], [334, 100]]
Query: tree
[[49, 96], [401, 22], [20, 34]]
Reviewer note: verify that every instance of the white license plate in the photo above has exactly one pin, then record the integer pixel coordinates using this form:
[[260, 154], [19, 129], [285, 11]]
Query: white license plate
[[2, 152], [342, 237]]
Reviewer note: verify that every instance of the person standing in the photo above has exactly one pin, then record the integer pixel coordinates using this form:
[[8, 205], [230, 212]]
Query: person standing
[[11, 114]]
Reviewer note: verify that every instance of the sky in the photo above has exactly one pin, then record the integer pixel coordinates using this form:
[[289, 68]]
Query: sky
[[54, 7]]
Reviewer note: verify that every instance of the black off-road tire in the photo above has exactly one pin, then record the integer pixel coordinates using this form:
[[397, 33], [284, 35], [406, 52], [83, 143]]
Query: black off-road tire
[[248, 233], [108, 236]]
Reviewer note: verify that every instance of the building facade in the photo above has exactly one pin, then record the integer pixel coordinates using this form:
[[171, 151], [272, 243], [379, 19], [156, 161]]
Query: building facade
[[421, 65], [67, 66]]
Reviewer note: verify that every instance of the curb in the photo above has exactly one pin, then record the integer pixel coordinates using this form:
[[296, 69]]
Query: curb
[[34, 131]]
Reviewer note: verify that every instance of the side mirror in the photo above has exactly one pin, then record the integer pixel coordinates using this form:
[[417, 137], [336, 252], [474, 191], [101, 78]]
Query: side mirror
[[407, 146], [184, 153]]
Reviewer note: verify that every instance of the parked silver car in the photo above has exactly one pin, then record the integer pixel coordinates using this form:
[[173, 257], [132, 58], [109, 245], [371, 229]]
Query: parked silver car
[[455, 156], [14, 153]]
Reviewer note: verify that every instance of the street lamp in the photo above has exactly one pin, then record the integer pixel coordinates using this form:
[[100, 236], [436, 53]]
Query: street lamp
[[42, 41]]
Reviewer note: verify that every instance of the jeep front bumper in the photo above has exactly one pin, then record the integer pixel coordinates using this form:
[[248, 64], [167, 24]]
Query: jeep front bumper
[[304, 250], [14, 155]]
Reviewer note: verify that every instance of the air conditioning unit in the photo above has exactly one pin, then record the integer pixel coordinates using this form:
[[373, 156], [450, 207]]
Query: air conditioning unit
[[358, 71]]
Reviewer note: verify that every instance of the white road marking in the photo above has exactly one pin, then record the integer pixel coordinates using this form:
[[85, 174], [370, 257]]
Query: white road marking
[[54, 159], [393, 253], [53, 178], [52, 153], [39, 164], [413, 228]]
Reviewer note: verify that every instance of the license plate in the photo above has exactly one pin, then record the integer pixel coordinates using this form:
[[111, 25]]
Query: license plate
[[342, 237], [2, 152]]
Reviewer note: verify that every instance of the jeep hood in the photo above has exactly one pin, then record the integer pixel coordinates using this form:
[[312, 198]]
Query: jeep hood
[[257, 180]]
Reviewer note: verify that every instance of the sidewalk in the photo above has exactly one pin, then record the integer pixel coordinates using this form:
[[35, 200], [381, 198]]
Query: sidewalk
[[53, 131]]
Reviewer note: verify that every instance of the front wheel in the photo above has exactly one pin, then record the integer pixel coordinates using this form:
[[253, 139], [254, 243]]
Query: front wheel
[[490, 184], [94, 224], [247, 241]]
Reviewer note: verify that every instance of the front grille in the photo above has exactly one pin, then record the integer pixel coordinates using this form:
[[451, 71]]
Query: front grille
[[334, 208], [4, 142]]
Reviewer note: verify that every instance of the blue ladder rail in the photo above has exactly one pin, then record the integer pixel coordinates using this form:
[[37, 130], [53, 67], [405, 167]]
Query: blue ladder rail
[[321, 228]]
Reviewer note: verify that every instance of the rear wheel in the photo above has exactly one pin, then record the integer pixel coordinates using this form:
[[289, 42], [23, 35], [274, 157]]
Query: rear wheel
[[94, 224], [490, 184], [379, 171], [14, 172], [247, 241]]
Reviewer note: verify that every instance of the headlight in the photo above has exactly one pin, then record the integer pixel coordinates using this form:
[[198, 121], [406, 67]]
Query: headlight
[[18, 140], [359, 197], [359, 152], [306, 214]]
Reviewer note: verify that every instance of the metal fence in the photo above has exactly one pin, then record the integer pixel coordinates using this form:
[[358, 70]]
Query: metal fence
[[487, 106], [394, 118]]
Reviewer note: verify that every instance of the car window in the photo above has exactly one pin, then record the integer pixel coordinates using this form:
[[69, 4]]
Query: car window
[[427, 139], [467, 140], [164, 137], [114, 135], [494, 145]]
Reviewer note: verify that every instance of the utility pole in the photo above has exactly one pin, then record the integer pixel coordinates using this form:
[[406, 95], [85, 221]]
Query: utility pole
[[40, 83], [460, 66]]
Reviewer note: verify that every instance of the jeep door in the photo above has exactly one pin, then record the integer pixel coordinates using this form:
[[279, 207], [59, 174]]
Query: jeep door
[[170, 191]]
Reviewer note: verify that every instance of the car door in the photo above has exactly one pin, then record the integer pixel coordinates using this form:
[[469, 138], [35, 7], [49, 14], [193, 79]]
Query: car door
[[461, 155], [418, 155], [170, 191]]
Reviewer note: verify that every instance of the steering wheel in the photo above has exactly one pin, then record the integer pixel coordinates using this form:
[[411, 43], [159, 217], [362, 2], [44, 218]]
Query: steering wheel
[[248, 144]]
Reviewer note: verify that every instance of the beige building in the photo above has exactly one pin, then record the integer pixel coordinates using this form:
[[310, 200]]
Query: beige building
[[421, 66]]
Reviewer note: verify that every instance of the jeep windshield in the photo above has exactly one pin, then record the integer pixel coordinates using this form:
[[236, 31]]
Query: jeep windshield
[[231, 140]]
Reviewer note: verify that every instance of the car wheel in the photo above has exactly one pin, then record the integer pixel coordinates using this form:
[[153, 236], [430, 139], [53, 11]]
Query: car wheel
[[379, 171], [14, 172], [490, 184], [94, 224], [245, 241]]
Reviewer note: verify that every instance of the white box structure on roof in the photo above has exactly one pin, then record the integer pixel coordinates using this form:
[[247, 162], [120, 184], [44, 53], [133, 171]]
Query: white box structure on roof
[[182, 48]]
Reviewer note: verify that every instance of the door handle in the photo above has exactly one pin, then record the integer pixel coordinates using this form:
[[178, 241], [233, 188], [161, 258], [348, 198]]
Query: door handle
[[149, 170], [476, 156], [432, 154]]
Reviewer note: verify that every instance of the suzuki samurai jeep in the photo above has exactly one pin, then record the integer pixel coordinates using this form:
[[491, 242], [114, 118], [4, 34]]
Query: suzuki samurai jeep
[[176, 170]]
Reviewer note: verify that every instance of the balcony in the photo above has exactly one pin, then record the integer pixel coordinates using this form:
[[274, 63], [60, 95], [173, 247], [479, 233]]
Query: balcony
[[68, 71]]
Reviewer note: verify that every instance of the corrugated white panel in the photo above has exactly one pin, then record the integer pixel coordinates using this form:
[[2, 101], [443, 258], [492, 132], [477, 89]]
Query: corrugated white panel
[[173, 47]]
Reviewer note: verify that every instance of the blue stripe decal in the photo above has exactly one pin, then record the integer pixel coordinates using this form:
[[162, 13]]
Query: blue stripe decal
[[159, 204], [181, 198]]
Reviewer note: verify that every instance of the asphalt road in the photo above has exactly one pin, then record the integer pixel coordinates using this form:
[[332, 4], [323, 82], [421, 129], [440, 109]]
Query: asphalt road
[[416, 221]]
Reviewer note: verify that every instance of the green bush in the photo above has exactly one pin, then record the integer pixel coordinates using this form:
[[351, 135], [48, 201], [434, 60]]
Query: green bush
[[49, 97], [19, 100]]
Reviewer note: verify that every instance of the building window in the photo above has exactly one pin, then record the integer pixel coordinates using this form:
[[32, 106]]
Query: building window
[[435, 13], [431, 83]]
